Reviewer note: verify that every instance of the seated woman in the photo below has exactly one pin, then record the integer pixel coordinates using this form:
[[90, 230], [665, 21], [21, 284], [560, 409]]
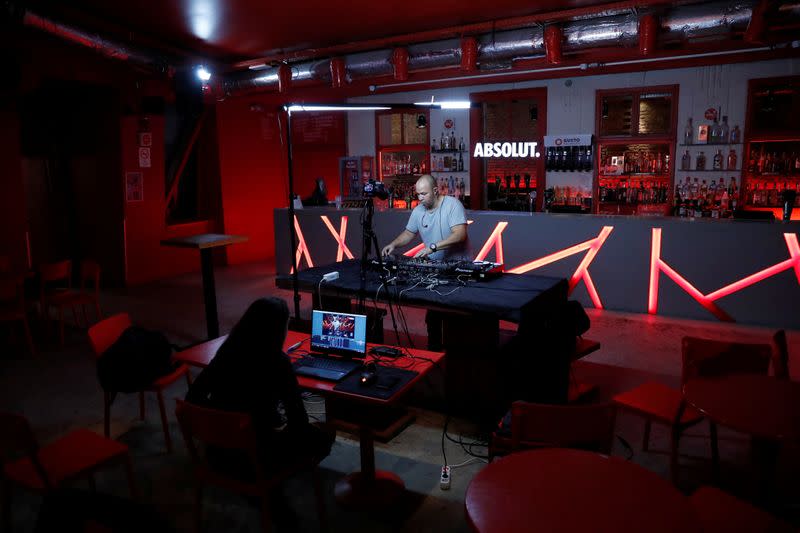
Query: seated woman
[[251, 374]]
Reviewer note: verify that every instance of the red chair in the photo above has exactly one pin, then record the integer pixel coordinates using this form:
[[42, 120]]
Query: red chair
[[780, 355], [76, 455], [101, 336], [12, 307], [233, 431], [700, 358], [533, 425], [719, 511], [55, 281]]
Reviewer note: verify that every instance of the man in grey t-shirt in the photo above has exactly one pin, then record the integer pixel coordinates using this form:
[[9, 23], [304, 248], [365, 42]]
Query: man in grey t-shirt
[[442, 224], [440, 221]]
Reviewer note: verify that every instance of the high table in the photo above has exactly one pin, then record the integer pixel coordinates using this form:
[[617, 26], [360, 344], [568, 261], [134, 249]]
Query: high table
[[205, 243], [563, 490], [368, 488]]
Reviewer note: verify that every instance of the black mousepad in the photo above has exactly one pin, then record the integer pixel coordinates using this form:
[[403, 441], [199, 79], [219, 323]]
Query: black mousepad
[[388, 381]]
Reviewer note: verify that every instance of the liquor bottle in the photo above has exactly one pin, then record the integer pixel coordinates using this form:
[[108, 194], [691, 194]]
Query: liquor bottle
[[433, 145], [686, 161], [732, 190], [460, 162], [713, 132], [589, 163], [712, 191], [717, 164], [724, 130], [703, 191], [701, 161], [461, 144], [736, 135], [688, 133], [462, 187], [452, 140], [694, 189], [442, 143], [732, 160]]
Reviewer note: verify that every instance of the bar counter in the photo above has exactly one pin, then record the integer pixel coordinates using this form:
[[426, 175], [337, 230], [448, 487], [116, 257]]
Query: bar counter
[[746, 271]]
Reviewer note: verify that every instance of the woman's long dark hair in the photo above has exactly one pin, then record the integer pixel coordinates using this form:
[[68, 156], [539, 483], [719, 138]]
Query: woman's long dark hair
[[260, 331]]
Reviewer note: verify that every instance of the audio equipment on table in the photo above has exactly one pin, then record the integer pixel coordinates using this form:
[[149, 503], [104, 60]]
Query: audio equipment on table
[[412, 266]]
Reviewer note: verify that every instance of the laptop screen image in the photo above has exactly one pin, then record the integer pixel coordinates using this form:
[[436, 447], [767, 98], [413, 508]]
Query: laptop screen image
[[339, 333]]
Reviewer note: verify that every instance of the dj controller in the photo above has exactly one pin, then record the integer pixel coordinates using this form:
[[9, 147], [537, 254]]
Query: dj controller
[[414, 267]]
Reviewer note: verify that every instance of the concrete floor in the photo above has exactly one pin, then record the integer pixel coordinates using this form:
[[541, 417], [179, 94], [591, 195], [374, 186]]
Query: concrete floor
[[58, 391]]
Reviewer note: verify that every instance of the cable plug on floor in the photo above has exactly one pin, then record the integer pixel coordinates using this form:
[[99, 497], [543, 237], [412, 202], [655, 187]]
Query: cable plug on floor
[[444, 479]]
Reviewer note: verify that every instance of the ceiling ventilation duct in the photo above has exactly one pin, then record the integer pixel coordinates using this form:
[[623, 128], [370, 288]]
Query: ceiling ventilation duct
[[498, 50]]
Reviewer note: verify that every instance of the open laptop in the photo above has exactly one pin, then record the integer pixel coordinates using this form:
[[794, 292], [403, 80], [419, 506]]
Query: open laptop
[[334, 334]]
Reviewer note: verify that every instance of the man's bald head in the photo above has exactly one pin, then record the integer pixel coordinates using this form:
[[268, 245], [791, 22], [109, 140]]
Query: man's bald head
[[426, 191]]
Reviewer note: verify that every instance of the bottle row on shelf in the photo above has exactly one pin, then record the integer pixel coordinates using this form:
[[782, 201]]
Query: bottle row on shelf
[[714, 192], [635, 162], [401, 164], [771, 193], [713, 133], [700, 208], [568, 158], [630, 192], [447, 163], [719, 161], [448, 142], [762, 162], [521, 182]]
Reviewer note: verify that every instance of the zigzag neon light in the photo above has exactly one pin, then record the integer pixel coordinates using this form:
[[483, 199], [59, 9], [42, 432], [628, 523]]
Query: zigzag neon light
[[581, 273], [302, 249], [658, 265], [415, 250], [340, 237]]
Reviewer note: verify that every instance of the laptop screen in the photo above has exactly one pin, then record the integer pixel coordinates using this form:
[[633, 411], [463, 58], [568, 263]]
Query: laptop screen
[[340, 333]]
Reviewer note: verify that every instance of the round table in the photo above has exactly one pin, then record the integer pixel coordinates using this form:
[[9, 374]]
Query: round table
[[557, 489], [755, 404]]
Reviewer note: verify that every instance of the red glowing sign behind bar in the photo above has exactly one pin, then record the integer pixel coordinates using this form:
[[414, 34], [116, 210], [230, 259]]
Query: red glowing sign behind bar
[[658, 265]]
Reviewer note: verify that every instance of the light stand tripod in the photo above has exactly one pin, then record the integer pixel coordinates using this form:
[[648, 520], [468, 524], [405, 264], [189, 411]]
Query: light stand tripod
[[368, 240]]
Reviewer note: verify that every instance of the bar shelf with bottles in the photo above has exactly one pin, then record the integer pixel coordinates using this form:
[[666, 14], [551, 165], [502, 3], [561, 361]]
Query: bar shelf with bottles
[[512, 192], [772, 167], [634, 178]]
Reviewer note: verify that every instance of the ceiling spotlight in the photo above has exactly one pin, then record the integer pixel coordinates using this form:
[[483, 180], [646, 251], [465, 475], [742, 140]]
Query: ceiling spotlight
[[422, 122], [203, 74]]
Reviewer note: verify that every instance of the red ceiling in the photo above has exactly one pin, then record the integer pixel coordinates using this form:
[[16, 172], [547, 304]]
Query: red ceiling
[[232, 30]]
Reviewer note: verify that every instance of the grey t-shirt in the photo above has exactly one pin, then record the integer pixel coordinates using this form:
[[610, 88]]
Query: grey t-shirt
[[434, 226]]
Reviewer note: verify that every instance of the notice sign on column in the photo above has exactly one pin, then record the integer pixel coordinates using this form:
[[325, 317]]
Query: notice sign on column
[[144, 157], [134, 186]]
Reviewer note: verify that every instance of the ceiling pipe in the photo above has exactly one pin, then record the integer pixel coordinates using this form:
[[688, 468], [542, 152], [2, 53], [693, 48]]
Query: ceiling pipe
[[146, 58], [499, 50], [284, 78], [755, 30], [337, 72]]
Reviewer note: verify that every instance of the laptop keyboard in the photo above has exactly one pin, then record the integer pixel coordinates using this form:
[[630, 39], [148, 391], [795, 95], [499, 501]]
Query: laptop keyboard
[[324, 367]]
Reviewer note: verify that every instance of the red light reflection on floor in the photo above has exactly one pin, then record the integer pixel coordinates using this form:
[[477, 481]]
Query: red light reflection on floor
[[340, 237], [658, 265]]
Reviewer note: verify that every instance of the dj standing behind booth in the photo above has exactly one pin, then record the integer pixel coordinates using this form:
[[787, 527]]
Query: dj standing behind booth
[[440, 221], [442, 224]]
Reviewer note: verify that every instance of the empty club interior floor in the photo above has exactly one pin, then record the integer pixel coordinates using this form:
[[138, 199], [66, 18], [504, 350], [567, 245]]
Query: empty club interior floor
[[57, 390]]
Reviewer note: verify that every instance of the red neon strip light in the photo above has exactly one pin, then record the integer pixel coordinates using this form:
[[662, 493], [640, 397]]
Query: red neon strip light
[[794, 251], [302, 249], [415, 250], [552, 258], [587, 260], [655, 254], [707, 300], [340, 237], [495, 241], [587, 279]]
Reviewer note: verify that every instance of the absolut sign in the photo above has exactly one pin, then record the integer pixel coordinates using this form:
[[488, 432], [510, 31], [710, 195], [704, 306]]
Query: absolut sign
[[506, 149]]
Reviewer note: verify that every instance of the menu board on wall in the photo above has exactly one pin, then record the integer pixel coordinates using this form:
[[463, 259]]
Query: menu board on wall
[[318, 128]]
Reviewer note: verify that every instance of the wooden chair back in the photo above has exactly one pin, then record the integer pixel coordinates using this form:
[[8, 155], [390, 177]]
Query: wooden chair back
[[589, 427]]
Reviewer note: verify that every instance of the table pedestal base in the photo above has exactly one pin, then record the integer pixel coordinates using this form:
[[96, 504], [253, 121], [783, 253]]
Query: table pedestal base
[[357, 491]]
